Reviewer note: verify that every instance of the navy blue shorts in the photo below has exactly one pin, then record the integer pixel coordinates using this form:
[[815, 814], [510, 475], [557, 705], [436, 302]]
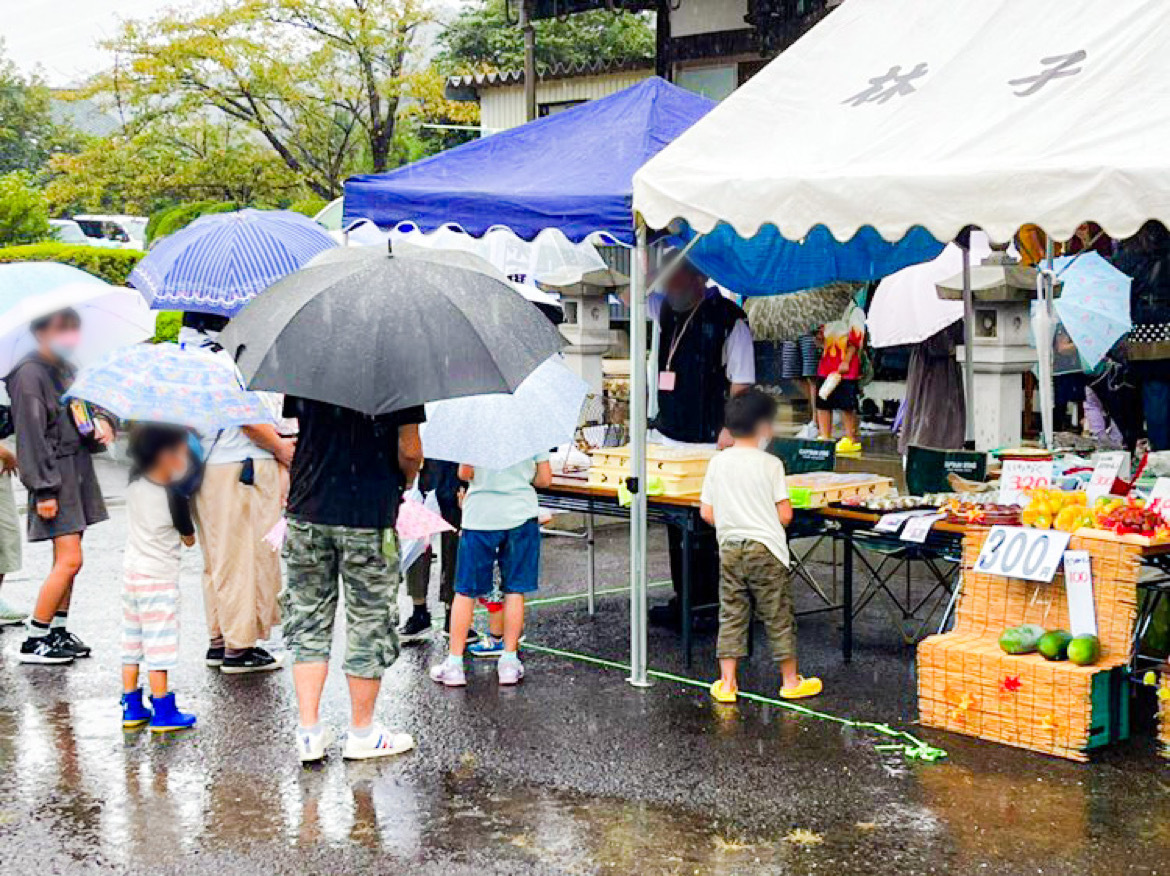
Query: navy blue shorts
[[516, 550]]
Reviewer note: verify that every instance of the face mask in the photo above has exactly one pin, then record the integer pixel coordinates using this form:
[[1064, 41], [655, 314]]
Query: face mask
[[65, 344], [680, 302]]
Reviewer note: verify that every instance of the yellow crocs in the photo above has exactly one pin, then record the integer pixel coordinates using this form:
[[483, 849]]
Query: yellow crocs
[[808, 687], [721, 694], [848, 445]]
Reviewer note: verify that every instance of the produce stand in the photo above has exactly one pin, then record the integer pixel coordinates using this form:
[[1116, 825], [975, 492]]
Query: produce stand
[[967, 684]]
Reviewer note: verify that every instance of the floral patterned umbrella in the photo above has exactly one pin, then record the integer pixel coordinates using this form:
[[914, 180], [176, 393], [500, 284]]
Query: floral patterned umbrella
[[167, 383]]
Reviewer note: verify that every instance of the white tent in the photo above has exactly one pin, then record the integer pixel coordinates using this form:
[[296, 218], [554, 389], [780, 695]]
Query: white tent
[[896, 113], [902, 113]]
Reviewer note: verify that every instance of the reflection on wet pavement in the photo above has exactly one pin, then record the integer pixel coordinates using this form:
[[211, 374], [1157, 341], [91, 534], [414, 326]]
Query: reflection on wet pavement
[[575, 772]]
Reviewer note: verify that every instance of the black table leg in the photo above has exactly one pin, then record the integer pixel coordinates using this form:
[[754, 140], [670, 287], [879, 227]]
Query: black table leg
[[687, 619], [847, 597]]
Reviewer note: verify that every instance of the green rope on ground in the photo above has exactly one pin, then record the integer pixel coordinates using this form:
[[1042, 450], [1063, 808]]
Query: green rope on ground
[[910, 746], [570, 597]]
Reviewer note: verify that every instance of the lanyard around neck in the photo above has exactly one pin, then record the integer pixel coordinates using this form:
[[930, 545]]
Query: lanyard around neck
[[679, 334]]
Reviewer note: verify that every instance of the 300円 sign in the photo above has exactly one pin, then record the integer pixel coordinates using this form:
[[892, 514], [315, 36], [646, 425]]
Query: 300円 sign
[[1022, 552]]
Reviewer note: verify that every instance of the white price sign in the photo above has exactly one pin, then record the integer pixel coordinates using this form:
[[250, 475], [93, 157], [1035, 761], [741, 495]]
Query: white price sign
[[918, 528], [1022, 552], [1020, 476], [893, 522], [1105, 471], [1159, 499], [1078, 584]]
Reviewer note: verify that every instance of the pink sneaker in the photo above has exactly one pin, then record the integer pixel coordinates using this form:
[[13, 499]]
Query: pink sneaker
[[510, 670], [449, 674]]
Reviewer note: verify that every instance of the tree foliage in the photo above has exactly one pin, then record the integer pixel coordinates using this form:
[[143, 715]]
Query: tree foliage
[[27, 132], [482, 38], [320, 82], [165, 161], [24, 213]]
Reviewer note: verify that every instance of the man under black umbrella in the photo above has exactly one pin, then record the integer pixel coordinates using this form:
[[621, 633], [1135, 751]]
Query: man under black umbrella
[[705, 356], [348, 476]]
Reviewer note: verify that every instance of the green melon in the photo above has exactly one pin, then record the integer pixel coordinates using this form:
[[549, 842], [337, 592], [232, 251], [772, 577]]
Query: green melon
[[1084, 650], [1053, 645], [1022, 639]]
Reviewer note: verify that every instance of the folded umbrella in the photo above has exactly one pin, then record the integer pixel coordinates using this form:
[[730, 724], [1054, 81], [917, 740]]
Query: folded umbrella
[[377, 333], [167, 383], [1093, 305], [498, 430], [218, 263]]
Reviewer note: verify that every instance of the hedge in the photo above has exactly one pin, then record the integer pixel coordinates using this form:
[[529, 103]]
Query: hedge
[[112, 265], [171, 219]]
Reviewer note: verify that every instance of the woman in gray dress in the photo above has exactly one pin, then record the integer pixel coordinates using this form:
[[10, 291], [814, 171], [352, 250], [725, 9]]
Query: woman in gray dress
[[54, 443]]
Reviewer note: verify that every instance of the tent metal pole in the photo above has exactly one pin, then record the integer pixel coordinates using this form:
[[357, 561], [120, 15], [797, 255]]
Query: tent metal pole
[[968, 349], [639, 393]]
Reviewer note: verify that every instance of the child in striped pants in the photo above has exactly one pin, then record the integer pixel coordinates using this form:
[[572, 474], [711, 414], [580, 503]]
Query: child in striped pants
[[159, 524]]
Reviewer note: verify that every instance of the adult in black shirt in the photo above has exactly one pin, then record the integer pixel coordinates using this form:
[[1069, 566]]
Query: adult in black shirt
[[348, 474]]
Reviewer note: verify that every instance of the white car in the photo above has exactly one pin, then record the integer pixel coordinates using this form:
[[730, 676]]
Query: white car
[[68, 231], [128, 232]]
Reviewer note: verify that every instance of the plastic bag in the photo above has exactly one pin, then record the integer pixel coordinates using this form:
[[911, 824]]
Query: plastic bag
[[409, 550]]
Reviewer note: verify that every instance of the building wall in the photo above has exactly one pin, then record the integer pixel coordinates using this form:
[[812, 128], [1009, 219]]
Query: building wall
[[503, 107], [707, 16]]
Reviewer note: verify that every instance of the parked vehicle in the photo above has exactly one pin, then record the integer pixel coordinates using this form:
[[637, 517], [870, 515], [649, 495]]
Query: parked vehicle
[[128, 232], [68, 231]]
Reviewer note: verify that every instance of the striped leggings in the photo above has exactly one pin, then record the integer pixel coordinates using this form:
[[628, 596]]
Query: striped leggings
[[150, 622]]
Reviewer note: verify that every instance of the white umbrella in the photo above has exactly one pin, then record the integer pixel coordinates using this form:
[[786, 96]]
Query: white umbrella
[[111, 317], [499, 430], [906, 308]]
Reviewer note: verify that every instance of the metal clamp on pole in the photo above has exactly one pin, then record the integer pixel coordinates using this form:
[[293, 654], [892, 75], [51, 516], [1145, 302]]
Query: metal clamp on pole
[[632, 485]]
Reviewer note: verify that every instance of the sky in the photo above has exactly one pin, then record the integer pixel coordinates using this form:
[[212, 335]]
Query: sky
[[61, 36]]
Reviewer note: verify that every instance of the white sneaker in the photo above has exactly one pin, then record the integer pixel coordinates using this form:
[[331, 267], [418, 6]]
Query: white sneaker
[[449, 674], [311, 746], [377, 743], [509, 670]]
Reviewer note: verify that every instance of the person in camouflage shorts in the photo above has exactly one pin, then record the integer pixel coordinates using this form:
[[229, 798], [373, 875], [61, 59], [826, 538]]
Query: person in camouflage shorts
[[316, 556], [748, 570], [348, 475]]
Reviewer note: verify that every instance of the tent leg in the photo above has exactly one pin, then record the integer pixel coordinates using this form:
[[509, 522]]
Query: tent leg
[[968, 349], [639, 393]]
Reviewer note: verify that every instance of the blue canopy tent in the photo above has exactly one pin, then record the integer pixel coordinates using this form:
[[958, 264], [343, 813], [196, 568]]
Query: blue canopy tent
[[574, 171]]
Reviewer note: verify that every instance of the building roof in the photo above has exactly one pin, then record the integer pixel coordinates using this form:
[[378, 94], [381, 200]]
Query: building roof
[[555, 8], [465, 87]]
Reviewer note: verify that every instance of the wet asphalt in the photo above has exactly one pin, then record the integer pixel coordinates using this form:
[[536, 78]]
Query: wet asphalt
[[573, 772]]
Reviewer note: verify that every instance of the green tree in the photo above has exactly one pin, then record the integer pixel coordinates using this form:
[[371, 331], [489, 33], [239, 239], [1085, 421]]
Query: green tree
[[24, 213], [165, 161], [27, 132], [482, 38], [320, 82]]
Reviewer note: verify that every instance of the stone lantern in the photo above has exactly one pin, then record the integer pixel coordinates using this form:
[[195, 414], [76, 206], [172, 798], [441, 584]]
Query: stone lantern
[[586, 323], [1002, 346]]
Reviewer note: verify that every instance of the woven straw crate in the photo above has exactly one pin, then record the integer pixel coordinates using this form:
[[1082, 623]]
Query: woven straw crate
[[967, 684]]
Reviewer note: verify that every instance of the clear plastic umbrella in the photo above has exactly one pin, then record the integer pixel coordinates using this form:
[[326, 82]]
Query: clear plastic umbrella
[[498, 430]]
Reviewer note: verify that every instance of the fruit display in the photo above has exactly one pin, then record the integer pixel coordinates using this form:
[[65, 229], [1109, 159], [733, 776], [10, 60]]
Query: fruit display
[[1128, 517], [1066, 511], [1084, 650], [1023, 639], [1053, 645], [971, 510]]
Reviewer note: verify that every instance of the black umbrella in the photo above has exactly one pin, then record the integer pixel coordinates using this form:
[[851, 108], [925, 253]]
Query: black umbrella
[[378, 333]]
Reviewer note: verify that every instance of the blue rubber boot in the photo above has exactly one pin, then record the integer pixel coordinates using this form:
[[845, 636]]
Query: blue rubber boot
[[167, 715], [134, 712]]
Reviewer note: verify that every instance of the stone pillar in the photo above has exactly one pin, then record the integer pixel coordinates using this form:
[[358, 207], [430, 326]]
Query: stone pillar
[[586, 325]]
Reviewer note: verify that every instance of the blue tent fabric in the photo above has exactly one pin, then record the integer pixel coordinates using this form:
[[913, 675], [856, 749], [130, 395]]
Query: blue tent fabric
[[768, 264], [573, 170]]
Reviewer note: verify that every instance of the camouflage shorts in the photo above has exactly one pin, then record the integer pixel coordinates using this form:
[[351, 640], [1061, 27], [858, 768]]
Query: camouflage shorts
[[318, 556], [749, 571]]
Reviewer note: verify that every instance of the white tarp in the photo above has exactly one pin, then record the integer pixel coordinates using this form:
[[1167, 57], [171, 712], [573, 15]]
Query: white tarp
[[896, 113]]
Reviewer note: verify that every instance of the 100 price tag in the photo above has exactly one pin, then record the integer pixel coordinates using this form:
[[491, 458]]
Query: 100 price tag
[[1022, 552]]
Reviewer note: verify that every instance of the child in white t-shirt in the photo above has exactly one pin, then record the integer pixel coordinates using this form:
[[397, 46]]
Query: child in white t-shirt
[[745, 498]]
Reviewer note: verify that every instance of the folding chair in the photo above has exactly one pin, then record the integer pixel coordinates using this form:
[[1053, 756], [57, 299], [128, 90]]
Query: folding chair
[[802, 456]]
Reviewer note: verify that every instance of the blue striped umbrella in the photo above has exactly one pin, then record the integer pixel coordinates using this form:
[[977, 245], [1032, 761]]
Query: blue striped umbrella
[[219, 263]]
